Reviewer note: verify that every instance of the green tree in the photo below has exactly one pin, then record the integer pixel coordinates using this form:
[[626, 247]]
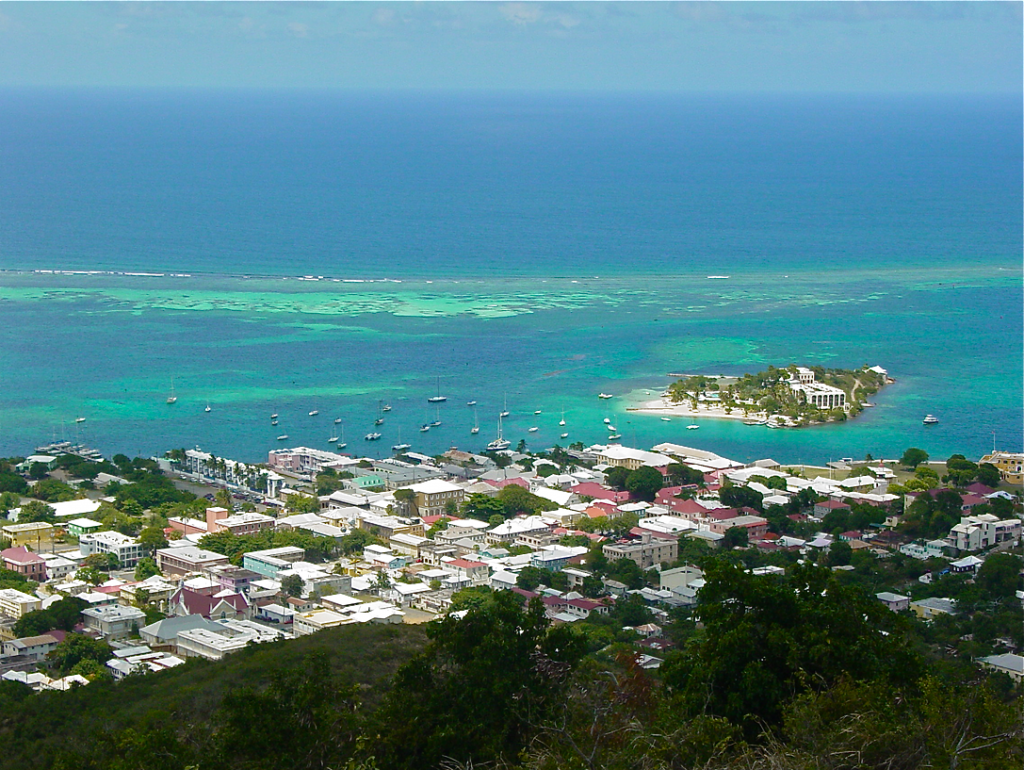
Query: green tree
[[292, 585], [530, 578], [616, 477], [145, 568], [307, 721], [62, 615], [645, 482], [152, 539], [768, 639], [477, 688], [741, 497], [914, 457], [839, 553], [303, 504], [988, 475], [735, 537], [482, 507], [999, 576], [35, 510], [75, 648]]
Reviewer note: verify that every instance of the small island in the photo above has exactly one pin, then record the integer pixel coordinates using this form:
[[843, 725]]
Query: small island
[[787, 397]]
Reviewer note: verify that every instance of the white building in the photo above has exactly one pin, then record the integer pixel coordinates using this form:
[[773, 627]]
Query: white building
[[976, 532], [126, 549], [816, 393], [14, 603], [232, 636]]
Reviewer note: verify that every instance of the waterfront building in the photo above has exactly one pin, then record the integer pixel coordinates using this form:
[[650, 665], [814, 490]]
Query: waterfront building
[[1009, 464], [817, 393]]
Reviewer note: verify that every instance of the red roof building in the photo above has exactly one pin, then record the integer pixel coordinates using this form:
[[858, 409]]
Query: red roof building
[[24, 562]]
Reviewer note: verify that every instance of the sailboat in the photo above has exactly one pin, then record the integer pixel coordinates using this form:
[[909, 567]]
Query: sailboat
[[314, 412], [337, 420], [400, 447], [500, 442], [476, 423], [207, 409], [79, 419], [504, 411], [562, 421], [341, 444], [172, 399], [380, 415], [438, 398], [386, 408], [564, 435], [437, 418]]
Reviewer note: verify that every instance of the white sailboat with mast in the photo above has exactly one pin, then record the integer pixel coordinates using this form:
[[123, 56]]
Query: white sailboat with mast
[[500, 442]]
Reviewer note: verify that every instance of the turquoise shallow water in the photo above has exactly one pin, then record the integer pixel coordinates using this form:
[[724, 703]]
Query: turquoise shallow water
[[250, 347], [539, 248]]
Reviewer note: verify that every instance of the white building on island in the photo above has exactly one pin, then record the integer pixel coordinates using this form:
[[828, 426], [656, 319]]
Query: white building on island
[[816, 393]]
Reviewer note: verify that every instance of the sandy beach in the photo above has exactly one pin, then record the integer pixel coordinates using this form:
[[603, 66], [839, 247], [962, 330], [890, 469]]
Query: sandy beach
[[665, 408]]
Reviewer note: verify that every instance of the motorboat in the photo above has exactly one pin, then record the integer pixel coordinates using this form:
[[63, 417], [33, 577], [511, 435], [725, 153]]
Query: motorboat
[[372, 436], [693, 427], [283, 437], [400, 447], [605, 395], [533, 429], [614, 437], [337, 420], [79, 419], [930, 419], [314, 413], [666, 419], [607, 421], [564, 435], [471, 403]]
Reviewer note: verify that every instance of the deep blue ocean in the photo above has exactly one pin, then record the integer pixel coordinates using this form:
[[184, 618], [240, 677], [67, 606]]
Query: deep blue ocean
[[534, 249]]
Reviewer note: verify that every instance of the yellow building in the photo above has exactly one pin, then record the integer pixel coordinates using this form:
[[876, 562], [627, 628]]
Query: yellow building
[[33, 534], [1010, 465]]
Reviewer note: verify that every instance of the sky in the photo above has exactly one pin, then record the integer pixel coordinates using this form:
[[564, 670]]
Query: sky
[[889, 47]]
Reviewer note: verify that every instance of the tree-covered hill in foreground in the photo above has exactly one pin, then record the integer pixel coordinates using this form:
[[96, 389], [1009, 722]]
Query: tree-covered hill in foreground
[[793, 671]]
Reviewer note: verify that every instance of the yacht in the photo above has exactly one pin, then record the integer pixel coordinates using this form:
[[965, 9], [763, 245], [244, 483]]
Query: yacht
[[371, 436], [611, 428], [500, 442], [283, 437], [537, 411], [562, 421], [425, 427], [564, 435], [171, 399], [533, 430], [337, 420], [666, 419], [273, 416], [504, 410], [438, 398], [207, 409], [314, 413], [607, 421], [605, 395], [386, 408], [476, 423], [614, 437], [79, 419], [273, 422], [471, 403], [930, 419], [693, 427]]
